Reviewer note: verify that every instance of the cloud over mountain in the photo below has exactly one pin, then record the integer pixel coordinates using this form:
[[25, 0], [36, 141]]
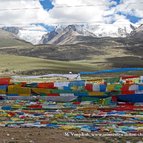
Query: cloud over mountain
[[24, 12]]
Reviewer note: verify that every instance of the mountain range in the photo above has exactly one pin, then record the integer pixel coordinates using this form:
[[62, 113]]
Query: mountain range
[[71, 34], [80, 45]]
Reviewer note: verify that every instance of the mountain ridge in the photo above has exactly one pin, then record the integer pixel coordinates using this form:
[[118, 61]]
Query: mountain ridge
[[68, 34]]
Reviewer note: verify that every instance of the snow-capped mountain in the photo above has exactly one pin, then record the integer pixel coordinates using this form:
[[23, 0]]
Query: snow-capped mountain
[[68, 34], [31, 34], [109, 30]]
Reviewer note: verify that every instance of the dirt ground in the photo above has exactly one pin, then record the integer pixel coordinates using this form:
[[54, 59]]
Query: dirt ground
[[42, 135]]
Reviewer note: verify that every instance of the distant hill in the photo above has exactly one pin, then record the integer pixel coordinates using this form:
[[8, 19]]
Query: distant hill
[[7, 39]]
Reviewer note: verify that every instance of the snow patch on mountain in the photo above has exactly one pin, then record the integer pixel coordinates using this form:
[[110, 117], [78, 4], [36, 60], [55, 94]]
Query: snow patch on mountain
[[32, 34], [67, 34]]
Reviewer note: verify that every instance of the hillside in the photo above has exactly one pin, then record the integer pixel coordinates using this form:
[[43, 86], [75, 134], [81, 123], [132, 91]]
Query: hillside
[[8, 40], [11, 64]]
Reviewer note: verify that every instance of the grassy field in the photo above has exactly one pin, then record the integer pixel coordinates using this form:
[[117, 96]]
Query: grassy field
[[13, 64]]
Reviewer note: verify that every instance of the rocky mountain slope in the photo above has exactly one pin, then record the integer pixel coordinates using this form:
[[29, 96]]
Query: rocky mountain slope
[[137, 34], [68, 34]]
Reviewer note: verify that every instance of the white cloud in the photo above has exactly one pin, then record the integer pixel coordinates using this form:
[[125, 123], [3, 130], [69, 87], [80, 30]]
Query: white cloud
[[132, 7], [22, 16], [83, 13], [99, 13]]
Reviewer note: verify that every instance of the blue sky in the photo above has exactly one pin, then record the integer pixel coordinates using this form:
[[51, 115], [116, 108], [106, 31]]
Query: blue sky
[[46, 4], [130, 17], [47, 27], [118, 1]]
